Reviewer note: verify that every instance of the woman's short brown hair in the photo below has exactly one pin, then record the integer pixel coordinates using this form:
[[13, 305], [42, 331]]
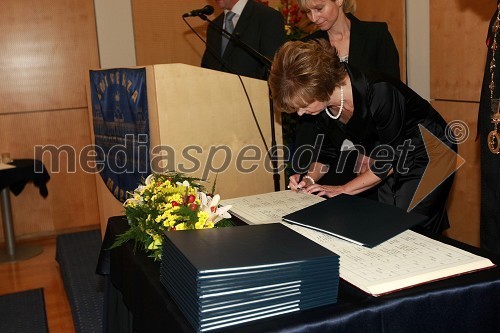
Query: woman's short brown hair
[[348, 6], [304, 72]]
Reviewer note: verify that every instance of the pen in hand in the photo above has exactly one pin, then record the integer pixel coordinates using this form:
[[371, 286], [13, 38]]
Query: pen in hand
[[300, 188]]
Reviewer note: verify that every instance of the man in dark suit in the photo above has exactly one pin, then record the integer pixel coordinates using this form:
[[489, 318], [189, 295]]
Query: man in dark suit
[[257, 25]]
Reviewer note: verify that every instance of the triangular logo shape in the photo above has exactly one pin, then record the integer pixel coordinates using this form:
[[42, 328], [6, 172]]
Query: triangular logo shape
[[443, 162]]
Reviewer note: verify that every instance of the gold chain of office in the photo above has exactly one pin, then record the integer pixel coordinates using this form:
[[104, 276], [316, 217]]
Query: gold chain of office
[[494, 135]]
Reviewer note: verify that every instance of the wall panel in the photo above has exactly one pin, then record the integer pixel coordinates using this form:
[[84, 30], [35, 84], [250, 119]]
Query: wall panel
[[393, 13], [47, 47], [464, 200], [457, 58], [458, 49], [162, 36], [71, 201]]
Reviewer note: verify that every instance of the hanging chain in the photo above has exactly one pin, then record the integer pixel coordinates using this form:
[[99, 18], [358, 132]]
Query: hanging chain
[[494, 136]]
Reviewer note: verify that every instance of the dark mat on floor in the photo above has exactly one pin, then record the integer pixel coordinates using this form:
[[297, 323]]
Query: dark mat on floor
[[77, 255], [23, 312]]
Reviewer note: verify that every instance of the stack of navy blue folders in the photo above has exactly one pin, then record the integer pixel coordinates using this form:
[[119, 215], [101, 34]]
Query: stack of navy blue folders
[[230, 276]]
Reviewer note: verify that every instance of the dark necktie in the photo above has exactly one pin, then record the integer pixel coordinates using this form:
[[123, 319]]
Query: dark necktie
[[229, 27]]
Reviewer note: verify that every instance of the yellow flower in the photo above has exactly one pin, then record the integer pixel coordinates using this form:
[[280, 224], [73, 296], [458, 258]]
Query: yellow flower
[[181, 226], [177, 197], [202, 220], [204, 225], [150, 211], [169, 220], [155, 243]]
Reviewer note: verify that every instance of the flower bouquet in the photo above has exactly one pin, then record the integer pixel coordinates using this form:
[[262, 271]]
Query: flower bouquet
[[167, 202], [297, 25]]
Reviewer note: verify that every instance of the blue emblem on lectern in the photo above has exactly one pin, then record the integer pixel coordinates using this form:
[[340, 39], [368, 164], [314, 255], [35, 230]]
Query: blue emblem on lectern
[[121, 130]]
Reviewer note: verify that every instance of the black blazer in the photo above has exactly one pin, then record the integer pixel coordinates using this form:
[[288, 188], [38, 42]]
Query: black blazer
[[260, 27], [371, 47]]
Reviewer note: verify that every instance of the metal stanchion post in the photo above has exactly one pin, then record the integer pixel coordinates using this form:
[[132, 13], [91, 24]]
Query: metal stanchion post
[[11, 252]]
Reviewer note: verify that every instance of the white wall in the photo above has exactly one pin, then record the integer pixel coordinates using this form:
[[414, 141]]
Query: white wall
[[115, 33], [418, 46]]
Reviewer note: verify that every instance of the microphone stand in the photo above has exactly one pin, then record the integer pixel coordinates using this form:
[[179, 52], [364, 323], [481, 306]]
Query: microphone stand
[[267, 62]]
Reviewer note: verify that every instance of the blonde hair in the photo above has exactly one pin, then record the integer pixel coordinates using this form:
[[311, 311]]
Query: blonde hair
[[304, 72], [348, 6]]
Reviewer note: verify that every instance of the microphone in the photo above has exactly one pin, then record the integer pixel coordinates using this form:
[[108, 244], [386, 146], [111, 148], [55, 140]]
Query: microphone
[[207, 10]]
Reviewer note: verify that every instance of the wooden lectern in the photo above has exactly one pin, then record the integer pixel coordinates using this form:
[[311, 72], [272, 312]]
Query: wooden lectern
[[200, 120]]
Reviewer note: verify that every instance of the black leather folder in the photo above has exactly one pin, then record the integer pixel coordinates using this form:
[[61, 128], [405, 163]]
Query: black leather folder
[[361, 221]]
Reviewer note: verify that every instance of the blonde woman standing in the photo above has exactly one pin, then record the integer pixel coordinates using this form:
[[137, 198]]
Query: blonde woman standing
[[368, 46]]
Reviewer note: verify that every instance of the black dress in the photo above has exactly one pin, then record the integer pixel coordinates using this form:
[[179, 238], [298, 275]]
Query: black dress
[[387, 115]]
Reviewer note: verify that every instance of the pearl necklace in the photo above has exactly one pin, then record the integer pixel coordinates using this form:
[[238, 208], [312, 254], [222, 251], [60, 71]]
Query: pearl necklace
[[340, 108]]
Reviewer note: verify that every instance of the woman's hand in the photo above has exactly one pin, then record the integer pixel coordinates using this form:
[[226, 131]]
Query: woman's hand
[[294, 182], [297, 185], [329, 191]]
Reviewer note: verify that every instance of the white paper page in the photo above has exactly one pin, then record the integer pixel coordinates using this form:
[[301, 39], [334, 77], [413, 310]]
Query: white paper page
[[4, 166], [405, 260], [270, 207]]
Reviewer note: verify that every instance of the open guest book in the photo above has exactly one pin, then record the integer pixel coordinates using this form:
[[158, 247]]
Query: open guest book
[[269, 207], [405, 260]]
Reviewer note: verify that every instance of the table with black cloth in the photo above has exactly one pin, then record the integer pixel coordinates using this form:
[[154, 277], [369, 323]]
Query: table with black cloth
[[136, 301], [14, 180]]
